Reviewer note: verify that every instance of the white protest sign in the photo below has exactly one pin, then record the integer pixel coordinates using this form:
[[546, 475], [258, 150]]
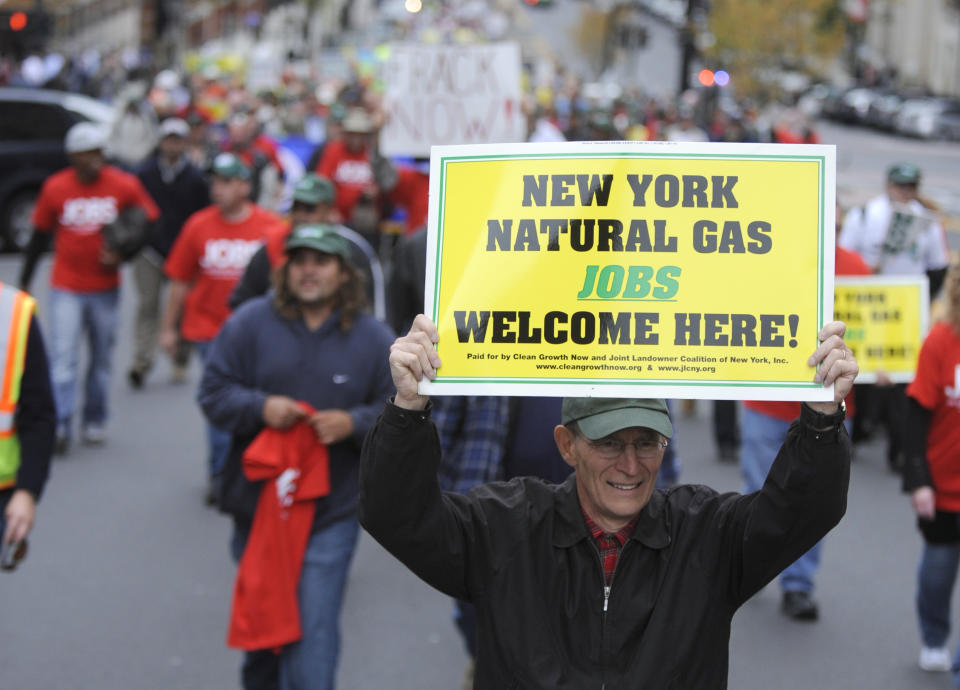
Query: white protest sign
[[455, 94]]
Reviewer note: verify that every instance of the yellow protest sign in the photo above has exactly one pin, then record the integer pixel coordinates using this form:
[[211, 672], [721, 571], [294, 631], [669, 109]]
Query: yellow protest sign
[[630, 268], [887, 319]]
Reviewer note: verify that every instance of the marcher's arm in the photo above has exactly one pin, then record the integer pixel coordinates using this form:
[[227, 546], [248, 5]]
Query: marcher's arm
[[36, 422], [176, 297], [805, 493], [936, 276], [401, 505], [917, 480], [255, 280], [226, 393], [36, 415], [366, 414], [38, 244], [803, 498]]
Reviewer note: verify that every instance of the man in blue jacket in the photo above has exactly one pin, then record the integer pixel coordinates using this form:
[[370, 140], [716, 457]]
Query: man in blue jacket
[[309, 341]]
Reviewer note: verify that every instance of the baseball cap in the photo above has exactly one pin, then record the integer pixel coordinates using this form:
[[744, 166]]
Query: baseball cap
[[85, 136], [319, 237], [174, 127], [904, 173], [313, 189], [599, 417], [229, 166]]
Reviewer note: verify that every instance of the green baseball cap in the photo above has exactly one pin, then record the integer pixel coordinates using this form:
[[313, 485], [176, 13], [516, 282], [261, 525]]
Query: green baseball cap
[[319, 237], [599, 417], [228, 166], [313, 189], [904, 173]]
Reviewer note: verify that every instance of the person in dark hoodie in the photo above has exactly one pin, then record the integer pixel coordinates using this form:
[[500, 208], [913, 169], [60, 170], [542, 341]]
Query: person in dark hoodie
[[179, 189], [309, 341]]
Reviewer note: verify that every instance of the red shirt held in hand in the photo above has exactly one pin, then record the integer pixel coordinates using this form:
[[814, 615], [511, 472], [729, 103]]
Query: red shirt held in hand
[[76, 212], [294, 467]]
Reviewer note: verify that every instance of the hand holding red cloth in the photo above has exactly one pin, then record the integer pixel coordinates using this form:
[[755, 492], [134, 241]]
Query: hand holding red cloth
[[294, 466]]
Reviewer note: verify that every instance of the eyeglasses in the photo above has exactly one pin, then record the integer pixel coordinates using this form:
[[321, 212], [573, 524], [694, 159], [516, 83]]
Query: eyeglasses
[[611, 448], [301, 206]]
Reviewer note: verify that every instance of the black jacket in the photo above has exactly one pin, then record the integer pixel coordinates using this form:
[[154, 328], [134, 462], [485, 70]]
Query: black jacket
[[521, 552], [177, 200]]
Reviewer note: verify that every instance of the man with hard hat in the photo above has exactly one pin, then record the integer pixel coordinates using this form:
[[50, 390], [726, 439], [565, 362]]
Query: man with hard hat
[[74, 206]]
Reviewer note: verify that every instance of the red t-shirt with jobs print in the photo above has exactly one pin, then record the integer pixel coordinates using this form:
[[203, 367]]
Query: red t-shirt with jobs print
[[77, 212], [211, 254]]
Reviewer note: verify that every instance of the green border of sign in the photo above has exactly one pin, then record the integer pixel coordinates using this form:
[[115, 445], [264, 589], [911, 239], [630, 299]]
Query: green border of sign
[[445, 160]]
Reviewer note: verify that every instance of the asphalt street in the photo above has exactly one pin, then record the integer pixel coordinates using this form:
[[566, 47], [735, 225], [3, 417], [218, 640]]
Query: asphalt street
[[128, 581]]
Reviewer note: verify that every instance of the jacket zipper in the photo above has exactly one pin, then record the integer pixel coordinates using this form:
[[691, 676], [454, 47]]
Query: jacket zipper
[[606, 596]]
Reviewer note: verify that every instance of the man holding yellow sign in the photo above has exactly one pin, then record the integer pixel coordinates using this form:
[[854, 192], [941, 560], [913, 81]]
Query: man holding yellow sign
[[601, 579]]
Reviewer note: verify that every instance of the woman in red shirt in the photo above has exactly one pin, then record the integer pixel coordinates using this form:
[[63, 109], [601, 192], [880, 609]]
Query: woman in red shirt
[[932, 477]]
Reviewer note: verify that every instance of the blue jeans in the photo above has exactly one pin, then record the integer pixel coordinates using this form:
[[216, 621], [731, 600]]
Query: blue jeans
[[761, 438], [936, 575], [311, 663], [218, 440], [72, 313]]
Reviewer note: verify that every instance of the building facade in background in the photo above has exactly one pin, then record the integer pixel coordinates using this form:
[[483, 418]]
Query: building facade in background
[[918, 40]]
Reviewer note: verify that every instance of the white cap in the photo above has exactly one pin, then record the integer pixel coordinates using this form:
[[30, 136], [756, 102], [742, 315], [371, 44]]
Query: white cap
[[85, 136], [167, 80], [174, 126]]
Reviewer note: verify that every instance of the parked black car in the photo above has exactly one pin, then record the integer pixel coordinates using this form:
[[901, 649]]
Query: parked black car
[[33, 123]]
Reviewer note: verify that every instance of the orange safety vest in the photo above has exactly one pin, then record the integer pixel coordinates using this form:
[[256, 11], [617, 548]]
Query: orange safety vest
[[16, 310]]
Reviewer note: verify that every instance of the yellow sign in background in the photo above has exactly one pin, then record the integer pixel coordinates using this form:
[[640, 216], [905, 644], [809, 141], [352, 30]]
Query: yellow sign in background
[[694, 271], [887, 319]]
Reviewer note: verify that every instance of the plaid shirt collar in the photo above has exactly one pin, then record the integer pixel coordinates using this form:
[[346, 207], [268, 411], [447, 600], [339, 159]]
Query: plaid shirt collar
[[609, 545], [601, 537]]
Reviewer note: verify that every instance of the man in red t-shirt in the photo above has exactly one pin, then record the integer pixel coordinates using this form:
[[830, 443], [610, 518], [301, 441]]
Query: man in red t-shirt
[[204, 265], [347, 162], [73, 207], [764, 425], [259, 154]]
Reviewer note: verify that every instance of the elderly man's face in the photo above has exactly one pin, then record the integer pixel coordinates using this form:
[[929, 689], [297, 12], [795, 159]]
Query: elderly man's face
[[616, 474]]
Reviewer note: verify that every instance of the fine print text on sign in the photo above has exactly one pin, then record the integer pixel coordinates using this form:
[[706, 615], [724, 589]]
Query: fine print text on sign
[[887, 319], [630, 269]]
